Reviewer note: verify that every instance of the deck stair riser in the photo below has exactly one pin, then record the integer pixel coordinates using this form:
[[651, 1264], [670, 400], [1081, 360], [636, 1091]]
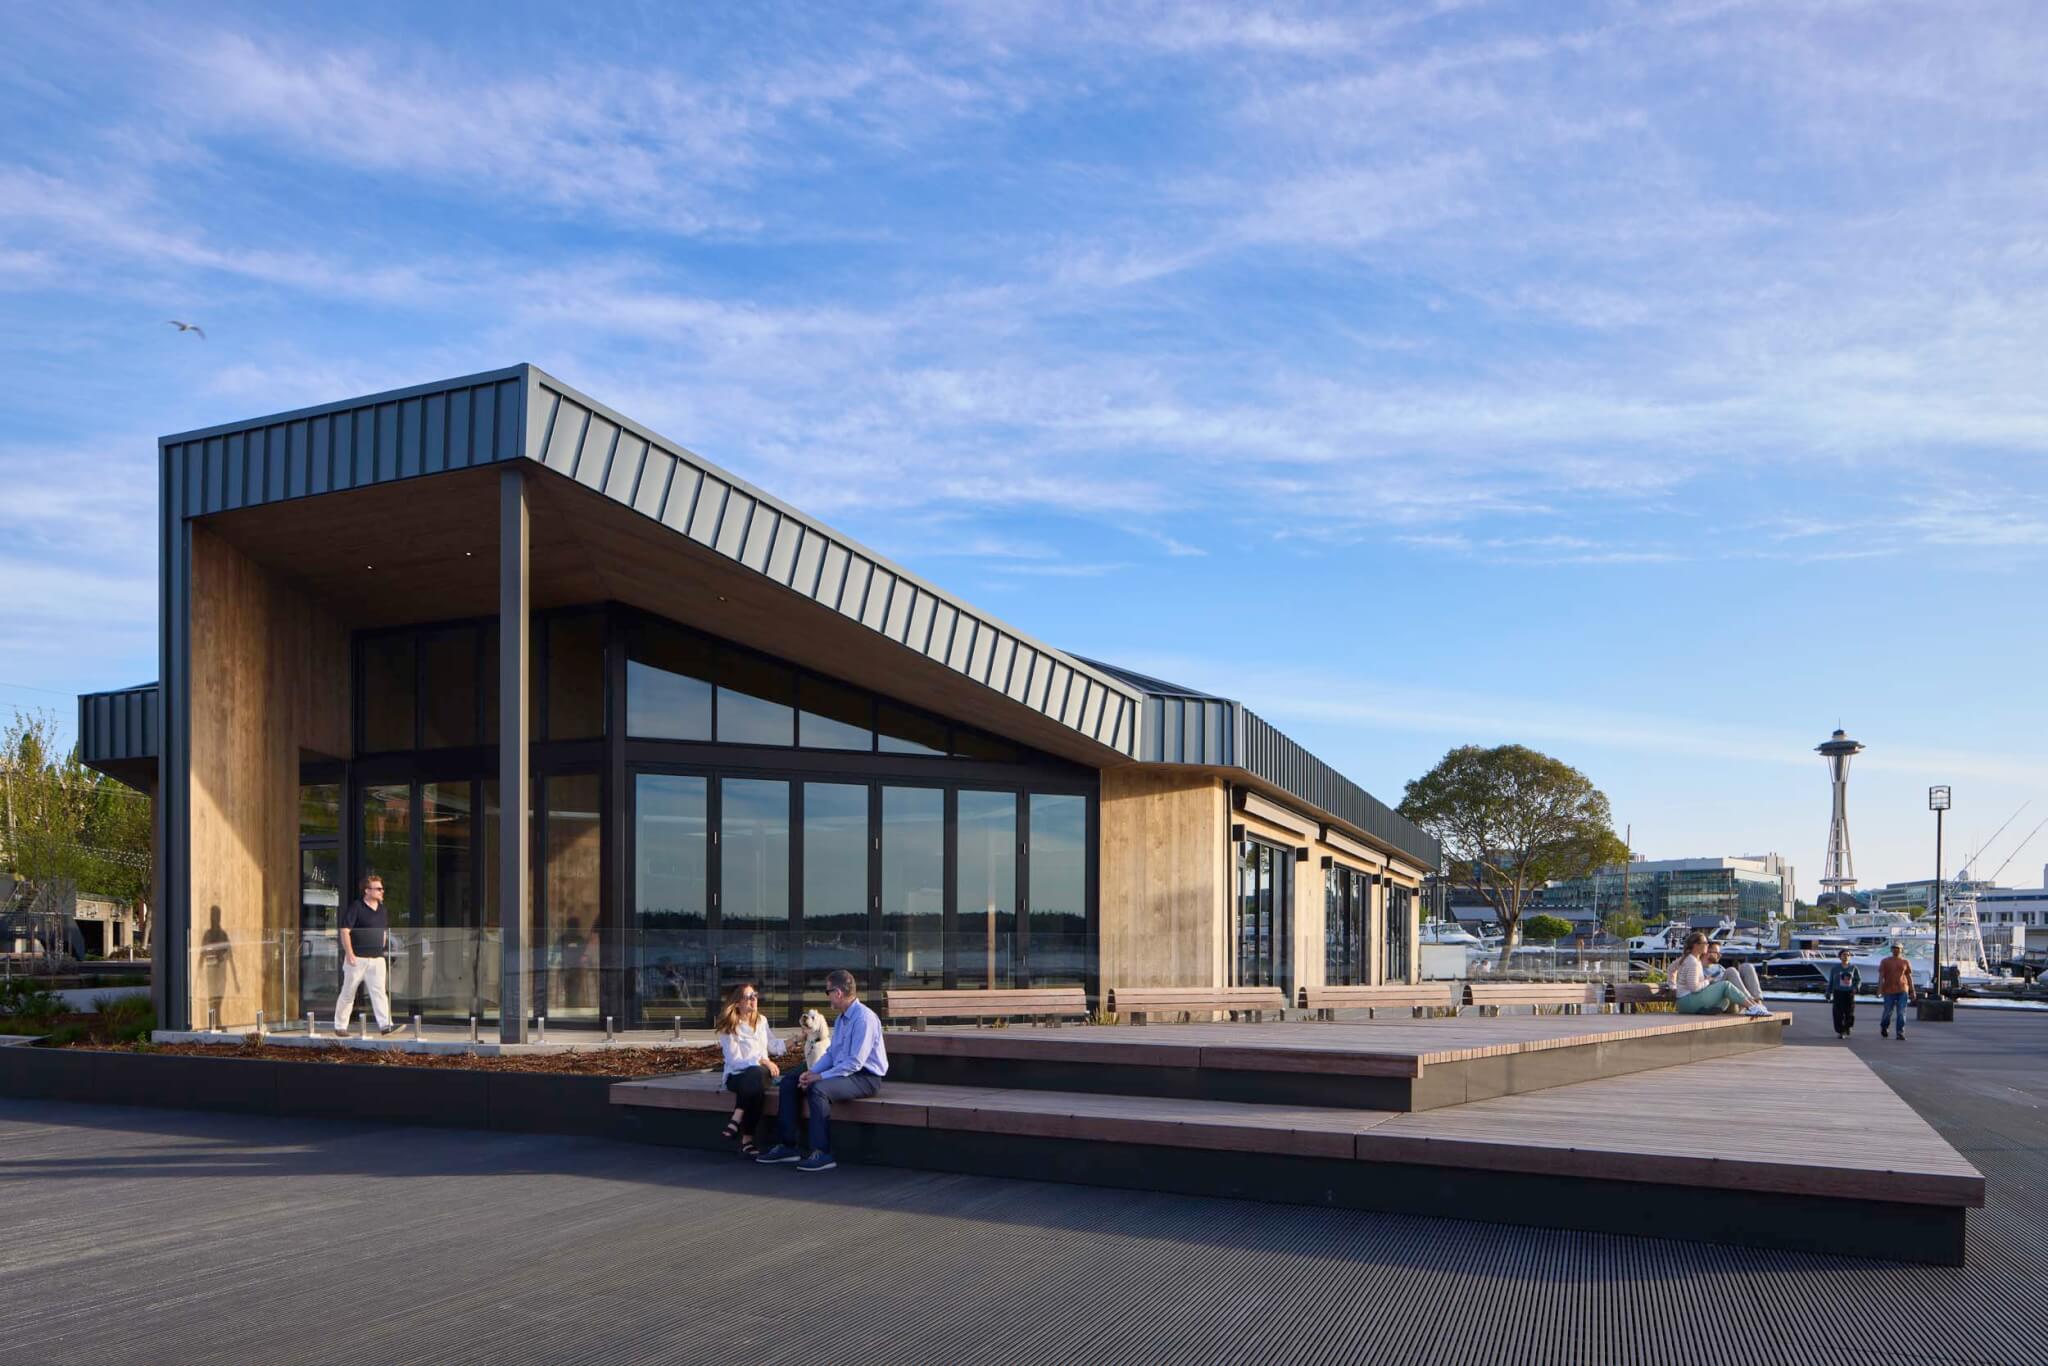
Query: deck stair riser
[[1386, 1065]]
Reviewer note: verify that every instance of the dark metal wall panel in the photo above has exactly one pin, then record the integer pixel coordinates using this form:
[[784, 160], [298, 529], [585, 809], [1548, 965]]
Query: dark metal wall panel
[[118, 726]]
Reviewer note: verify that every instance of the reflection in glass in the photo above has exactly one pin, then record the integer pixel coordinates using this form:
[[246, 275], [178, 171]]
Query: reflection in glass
[[753, 902], [913, 887], [1347, 920], [567, 932], [319, 911], [972, 744], [575, 654], [320, 811], [1059, 952], [833, 716], [1400, 917], [387, 846], [835, 884], [986, 888], [1263, 919], [668, 684], [754, 701], [388, 684], [908, 732], [670, 881], [444, 969], [448, 693]]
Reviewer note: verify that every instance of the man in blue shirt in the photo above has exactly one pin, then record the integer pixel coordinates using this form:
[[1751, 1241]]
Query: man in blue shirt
[[851, 1068]]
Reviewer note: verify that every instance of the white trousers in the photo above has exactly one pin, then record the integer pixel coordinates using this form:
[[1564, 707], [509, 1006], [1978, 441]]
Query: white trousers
[[367, 972]]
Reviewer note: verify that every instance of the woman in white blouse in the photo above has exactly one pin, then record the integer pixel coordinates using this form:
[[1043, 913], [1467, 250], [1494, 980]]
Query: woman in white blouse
[[750, 1049], [1699, 994]]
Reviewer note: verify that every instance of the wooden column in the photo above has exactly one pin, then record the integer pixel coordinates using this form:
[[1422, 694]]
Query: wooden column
[[515, 869]]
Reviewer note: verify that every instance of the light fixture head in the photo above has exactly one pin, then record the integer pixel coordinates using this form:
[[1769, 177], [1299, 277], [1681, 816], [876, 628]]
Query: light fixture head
[[1937, 798]]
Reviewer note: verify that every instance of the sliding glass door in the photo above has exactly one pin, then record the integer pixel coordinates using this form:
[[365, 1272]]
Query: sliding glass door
[[1263, 920]]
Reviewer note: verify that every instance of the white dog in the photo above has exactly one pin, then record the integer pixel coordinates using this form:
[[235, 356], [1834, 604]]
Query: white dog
[[816, 1037]]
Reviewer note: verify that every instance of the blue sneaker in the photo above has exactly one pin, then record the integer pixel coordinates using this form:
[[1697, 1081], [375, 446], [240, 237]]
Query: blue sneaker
[[817, 1162], [781, 1152]]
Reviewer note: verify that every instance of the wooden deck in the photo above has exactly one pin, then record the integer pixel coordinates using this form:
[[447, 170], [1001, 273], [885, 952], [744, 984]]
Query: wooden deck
[[1382, 1064], [1790, 1121]]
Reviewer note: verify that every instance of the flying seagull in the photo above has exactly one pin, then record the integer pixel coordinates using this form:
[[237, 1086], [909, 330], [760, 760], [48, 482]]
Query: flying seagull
[[186, 327]]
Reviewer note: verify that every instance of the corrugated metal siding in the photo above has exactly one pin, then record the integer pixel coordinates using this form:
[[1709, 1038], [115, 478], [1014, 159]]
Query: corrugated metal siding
[[399, 435], [744, 525], [1219, 733], [117, 726]]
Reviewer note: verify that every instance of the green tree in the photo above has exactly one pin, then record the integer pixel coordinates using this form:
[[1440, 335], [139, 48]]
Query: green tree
[[61, 823], [1546, 929], [1510, 821], [1623, 924]]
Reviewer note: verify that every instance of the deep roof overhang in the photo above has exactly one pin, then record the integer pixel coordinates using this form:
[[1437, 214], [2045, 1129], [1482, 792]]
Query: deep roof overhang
[[640, 519]]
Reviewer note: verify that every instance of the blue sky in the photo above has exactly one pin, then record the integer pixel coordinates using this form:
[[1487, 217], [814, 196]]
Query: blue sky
[[1654, 384]]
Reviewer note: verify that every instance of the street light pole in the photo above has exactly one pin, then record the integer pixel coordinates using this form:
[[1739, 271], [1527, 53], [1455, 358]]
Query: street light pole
[[1937, 802]]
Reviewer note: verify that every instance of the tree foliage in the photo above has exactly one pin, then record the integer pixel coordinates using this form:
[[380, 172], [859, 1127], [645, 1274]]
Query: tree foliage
[[61, 823], [1511, 820], [1546, 929]]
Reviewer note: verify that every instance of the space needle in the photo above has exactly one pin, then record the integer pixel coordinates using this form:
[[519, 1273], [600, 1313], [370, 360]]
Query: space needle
[[1838, 878]]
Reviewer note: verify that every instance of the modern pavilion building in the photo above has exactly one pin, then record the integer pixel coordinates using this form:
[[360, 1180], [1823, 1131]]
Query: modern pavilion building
[[749, 748]]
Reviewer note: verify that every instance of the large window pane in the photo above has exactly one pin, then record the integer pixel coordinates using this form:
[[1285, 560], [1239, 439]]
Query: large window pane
[[913, 887], [754, 698], [753, 902], [320, 811], [575, 652], [833, 716], [972, 744], [388, 682], [908, 732], [986, 888], [1059, 953], [1400, 912], [1336, 882], [444, 959], [835, 884], [448, 696], [569, 922], [319, 943], [671, 881], [668, 684], [387, 846]]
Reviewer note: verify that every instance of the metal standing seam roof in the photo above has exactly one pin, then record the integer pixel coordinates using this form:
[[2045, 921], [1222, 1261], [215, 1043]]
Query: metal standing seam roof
[[522, 412]]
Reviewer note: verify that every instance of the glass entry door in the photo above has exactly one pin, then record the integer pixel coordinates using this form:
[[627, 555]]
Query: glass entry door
[[1264, 922]]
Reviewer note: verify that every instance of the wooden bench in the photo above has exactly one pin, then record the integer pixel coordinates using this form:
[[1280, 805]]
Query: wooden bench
[[1573, 996], [1024, 1003], [1139, 1002], [1627, 996], [1417, 998]]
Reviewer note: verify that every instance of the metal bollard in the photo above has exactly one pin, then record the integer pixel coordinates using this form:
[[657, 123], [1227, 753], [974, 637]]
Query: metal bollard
[[543, 1029], [677, 1035], [415, 1028], [259, 1026], [609, 1037], [473, 1036], [213, 1019], [309, 1024], [363, 1025]]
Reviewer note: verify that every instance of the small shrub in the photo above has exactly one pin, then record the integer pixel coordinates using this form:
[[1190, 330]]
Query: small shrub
[[27, 1003], [125, 1019]]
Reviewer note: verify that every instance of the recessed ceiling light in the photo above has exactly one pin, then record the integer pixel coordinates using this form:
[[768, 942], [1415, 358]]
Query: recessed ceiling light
[[369, 566], [721, 597]]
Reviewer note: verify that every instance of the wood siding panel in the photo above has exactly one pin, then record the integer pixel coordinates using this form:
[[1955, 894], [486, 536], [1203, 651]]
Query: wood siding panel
[[270, 679], [1162, 881]]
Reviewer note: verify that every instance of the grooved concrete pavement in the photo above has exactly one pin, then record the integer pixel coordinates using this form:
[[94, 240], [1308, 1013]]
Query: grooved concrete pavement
[[166, 1236]]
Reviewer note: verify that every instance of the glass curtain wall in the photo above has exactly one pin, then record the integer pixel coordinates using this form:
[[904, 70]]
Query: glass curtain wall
[[1058, 951], [836, 843], [1400, 922], [985, 893], [913, 834], [319, 948], [1347, 926], [671, 896], [1264, 919], [753, 898], [568, 927]]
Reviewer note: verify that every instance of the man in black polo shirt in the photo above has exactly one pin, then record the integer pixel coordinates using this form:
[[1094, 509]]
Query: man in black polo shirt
[[363, 928]]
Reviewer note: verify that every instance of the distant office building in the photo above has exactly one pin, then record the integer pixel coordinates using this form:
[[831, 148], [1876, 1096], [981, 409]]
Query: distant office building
[[1754, 888], [2014, 905], [1911, 897]]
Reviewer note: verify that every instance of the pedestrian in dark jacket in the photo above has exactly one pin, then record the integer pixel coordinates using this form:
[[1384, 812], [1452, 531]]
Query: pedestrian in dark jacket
[[1844, 981]]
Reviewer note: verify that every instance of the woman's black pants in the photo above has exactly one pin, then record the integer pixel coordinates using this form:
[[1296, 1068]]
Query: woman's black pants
[[1845, 1011], [750, 1092]]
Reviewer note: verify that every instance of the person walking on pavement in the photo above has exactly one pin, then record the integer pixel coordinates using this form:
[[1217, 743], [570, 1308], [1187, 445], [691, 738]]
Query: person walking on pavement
[[364, 928], [1895, 984], [1844, 981]]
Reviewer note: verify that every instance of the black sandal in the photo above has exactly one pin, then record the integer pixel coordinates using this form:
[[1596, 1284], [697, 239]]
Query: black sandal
[[730, 1131], [749, 1148]]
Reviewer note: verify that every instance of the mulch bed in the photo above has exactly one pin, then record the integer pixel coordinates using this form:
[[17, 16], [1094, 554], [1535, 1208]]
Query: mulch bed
[[592, 1062]]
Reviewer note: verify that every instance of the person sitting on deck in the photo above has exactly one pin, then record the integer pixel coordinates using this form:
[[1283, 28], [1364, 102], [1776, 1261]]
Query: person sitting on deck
[[1743, 974], [750, 1047], [1700, 995], [851, 1069]]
